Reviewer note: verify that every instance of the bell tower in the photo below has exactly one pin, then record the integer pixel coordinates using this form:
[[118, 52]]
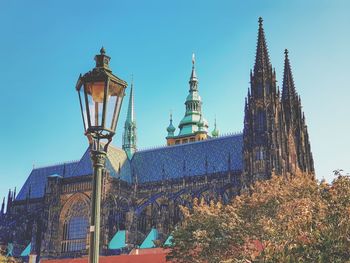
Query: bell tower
[[299, 154], [263, 131], [193, 127]]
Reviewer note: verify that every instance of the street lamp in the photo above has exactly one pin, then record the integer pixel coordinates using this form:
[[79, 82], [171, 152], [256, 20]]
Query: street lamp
[[100, 95]]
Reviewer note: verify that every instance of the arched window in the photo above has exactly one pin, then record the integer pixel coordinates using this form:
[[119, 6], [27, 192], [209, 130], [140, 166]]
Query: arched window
[[117, 216], [74, 224], [142, 222], [260, 154], [260, 121], [259, 91], [74, 234]]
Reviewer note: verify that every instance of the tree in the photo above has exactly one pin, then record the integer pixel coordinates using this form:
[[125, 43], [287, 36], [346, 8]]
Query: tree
[[292, 218], [4, 259]]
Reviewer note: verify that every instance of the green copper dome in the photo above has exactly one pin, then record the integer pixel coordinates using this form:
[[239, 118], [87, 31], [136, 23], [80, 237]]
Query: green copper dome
[[201, 124], [171, 129], [215, 132]]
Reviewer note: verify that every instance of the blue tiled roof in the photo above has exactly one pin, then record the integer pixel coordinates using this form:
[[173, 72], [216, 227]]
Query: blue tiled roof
[[38, 177], [168, 162], [117, 164], [190, 159], [36, 181]]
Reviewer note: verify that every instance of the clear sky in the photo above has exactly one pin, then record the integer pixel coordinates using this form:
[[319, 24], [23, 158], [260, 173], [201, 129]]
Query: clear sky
[[44, 45]]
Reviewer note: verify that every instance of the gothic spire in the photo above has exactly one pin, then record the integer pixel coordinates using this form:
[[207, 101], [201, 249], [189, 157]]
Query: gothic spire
[[9, 199], [262, 60], [246, 112], [193, 79], [288, 88], [3, 206], [129, 136], [290, 99], [130, 116]]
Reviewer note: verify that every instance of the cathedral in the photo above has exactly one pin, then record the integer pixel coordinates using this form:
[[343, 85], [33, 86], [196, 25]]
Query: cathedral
[[142, 189]]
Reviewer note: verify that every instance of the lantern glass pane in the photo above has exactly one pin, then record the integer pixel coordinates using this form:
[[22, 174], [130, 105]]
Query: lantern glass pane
[[97, 91], [116, 91], [116, 107], [113, 105], [83, 107], [95, 94], [111, 101]]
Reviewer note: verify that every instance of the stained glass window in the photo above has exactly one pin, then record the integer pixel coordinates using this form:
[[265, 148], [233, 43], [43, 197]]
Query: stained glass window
[[77, 227], [74, 234], [260, 121]]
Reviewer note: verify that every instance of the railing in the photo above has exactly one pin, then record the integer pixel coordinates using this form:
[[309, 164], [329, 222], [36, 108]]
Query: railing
[[75, 187], [73, 245]]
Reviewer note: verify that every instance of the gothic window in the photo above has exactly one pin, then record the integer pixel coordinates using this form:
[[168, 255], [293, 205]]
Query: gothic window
[[77, 228], [260, 90], [119, 216], [74, 218], [260, 121], [260, 154], [142, 222], [155, 213], [74, 234]]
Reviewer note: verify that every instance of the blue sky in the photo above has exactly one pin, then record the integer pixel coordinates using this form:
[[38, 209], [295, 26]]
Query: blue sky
[[46, 44]]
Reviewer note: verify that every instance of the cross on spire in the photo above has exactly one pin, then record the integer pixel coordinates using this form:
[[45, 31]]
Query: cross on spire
[[193, 79]]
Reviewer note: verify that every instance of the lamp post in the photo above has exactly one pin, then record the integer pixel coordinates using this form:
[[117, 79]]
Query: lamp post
[[100, 95]]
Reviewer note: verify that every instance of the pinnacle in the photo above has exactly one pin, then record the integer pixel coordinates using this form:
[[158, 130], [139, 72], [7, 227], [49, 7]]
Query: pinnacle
[[262, 61], [288, 88], [193, 77]]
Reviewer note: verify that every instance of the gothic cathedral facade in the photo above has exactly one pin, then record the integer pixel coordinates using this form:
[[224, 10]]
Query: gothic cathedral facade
[[142, 189]]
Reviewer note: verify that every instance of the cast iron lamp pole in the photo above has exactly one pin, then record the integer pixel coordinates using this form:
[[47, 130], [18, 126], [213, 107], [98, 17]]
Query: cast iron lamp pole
[[100, 95]]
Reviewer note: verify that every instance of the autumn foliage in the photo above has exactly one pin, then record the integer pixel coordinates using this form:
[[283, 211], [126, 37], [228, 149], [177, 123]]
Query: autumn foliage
[[284, 219], [4, 259]]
